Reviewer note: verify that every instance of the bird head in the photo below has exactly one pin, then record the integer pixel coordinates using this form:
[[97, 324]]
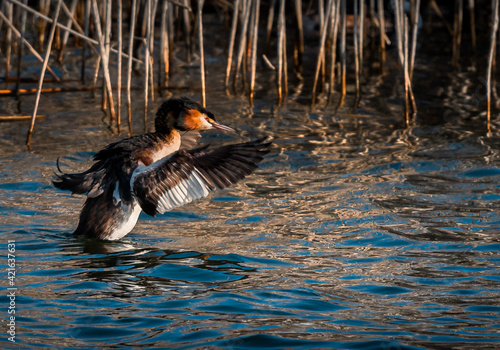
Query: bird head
[[184, 114]]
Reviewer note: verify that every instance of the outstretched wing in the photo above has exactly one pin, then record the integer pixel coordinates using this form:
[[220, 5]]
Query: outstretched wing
[[190, 175], [189, 139]]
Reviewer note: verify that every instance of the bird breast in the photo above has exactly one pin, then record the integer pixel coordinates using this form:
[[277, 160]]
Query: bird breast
[[162, 149], [169, 147]]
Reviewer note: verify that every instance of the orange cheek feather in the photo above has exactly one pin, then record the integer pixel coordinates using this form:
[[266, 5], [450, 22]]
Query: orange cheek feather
[[192, 119]]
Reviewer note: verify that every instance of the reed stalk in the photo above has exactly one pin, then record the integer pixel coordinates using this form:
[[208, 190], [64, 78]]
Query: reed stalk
[[28, 45], [242, 57], [381, 21], [63, 27], [333, 49], [362, 16], [2, 9], [269, 26], [21, 54], [321, 54], [414, 37], [343, 52], [493, 36], [133, 12], [402, 29], [457, 32], [281, 43], [107, 46], [321, 11], [71, 13], [472, 24], [405, 68], [202, 53], [146, 62], [104, 98], [232, 36], [104, 60], [285, 64], [119, 66], [245, 66], [171, 37], [96, 75], [8, 39], [151, 50], [399, 26], [42, 74], [29, 91], [164, 48], [187, 29], [242, 41], [254, 48], [356, 53], [437, 10], [44, 9], [299, 55], [78, 28], [86, 26]]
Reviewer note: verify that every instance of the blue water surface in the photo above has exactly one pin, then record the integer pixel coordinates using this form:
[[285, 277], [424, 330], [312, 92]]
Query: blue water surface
[[353, 234]]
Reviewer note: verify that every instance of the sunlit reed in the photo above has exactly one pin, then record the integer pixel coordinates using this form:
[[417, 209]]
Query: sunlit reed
[[347, 34], [42, 74]]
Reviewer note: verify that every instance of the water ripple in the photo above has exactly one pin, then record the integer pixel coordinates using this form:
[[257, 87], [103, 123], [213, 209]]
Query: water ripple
[[351, 235]]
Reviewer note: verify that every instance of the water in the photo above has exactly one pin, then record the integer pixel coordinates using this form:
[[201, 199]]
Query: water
[[353, 234]]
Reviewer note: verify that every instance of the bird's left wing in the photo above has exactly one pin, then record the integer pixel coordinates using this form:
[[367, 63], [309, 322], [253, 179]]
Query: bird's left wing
[[189, 175]]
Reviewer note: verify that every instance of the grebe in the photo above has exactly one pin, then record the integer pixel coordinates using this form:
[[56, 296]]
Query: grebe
[[156, 172]]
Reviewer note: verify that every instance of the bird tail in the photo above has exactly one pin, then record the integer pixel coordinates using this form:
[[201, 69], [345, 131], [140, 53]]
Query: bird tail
[[88, 181]]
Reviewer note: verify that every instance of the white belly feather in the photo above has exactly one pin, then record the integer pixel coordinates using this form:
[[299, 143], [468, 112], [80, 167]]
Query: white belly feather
[[131, 212], [130, 216]]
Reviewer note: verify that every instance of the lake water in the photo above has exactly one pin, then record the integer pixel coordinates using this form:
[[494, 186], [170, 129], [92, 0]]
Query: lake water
[[355, 233]]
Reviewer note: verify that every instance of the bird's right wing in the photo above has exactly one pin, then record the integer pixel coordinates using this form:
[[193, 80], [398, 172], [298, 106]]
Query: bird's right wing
[[189, 175], [189, 139]]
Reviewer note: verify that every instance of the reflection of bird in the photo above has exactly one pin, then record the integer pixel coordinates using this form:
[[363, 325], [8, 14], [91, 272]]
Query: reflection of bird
[[157, 171]]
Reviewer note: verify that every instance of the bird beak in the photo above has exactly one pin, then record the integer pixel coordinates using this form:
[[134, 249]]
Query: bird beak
[[220, 126]]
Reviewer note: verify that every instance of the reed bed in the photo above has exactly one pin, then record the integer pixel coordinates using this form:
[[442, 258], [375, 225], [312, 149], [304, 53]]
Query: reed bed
[[124, 35]]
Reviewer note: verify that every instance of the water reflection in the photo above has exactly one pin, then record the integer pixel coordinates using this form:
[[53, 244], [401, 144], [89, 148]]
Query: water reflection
[[353, 234]]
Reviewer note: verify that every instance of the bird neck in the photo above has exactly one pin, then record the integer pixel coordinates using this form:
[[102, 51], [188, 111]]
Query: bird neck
[[166, 133], [163, 127]]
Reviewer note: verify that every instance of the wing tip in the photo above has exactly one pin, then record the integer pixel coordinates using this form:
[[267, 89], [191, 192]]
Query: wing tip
[[262, 144]]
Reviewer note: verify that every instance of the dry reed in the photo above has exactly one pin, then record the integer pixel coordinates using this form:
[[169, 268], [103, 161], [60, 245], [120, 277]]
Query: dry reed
[[95, 24], [494, 30]]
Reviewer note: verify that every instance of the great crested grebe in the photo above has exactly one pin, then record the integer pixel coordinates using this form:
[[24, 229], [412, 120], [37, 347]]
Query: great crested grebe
[[156, 172]]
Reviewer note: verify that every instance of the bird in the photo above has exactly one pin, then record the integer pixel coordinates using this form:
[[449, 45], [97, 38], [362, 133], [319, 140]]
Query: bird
[[158, 171]]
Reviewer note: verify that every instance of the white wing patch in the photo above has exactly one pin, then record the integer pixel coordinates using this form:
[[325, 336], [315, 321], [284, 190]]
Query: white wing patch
[[116, 194], [194, 187], [189, 139], [185, 176]]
